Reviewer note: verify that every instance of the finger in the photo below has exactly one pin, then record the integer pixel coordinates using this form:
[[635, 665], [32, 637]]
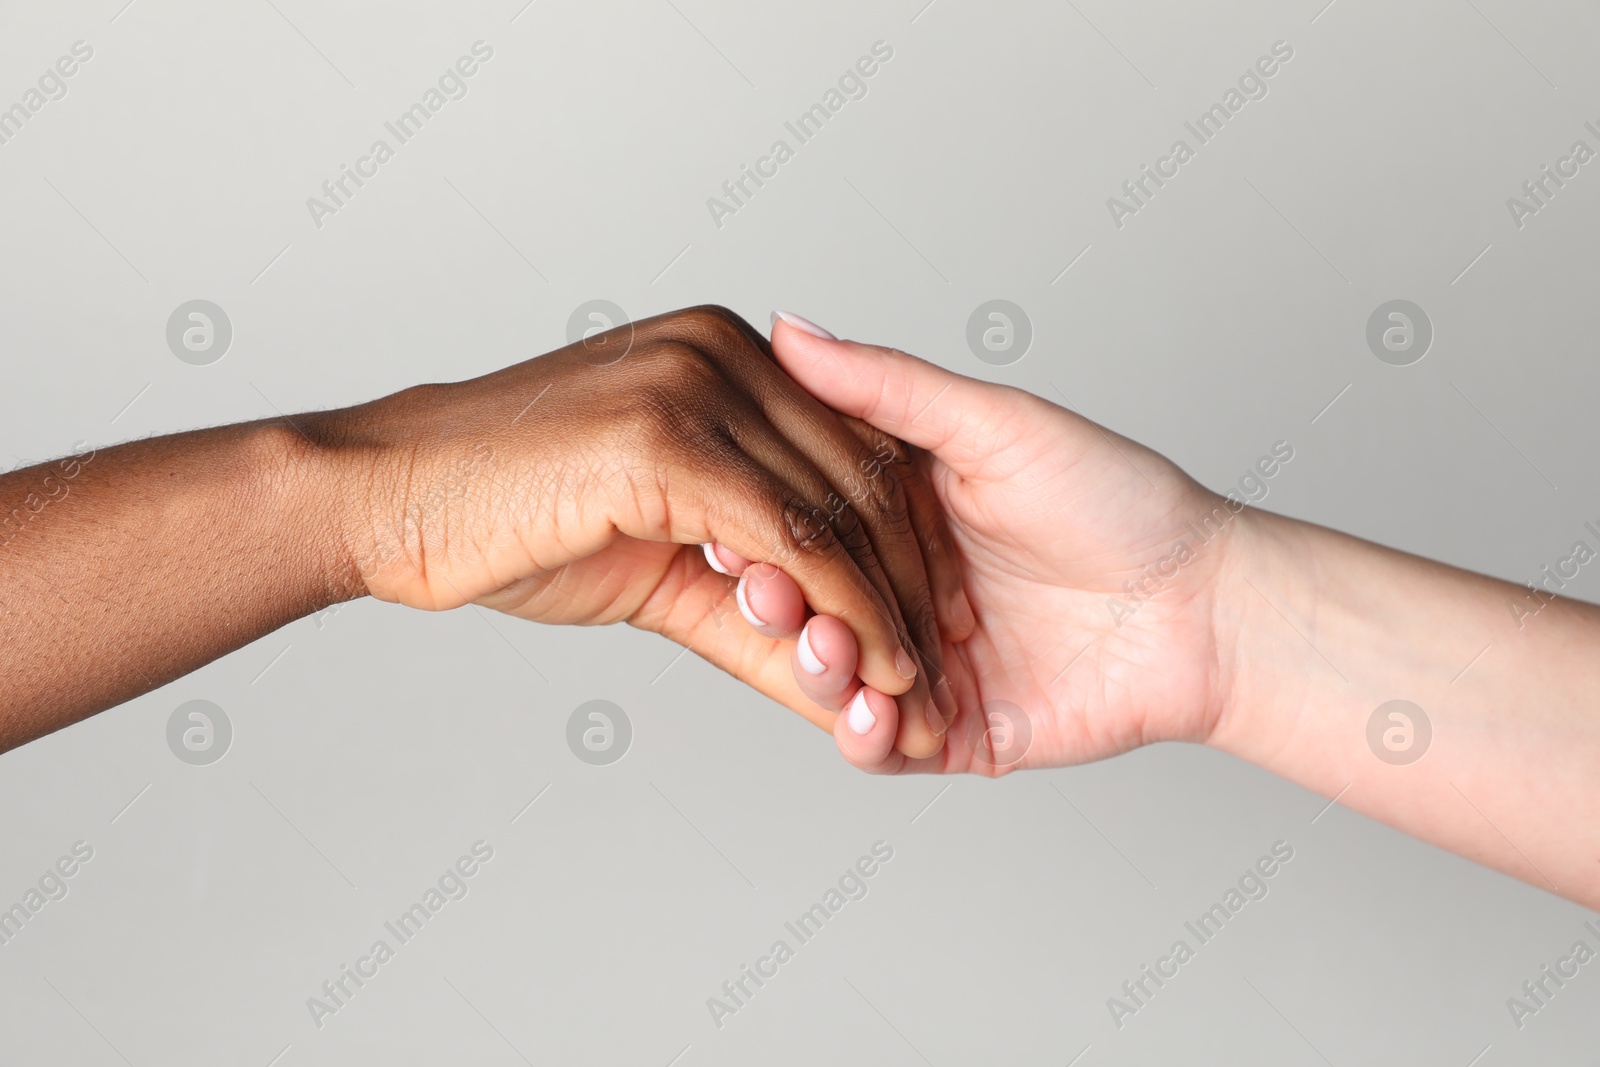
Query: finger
[[863, 504], [770, 601], [872, 524], [773, 603], [891, 759], [694, 606], [968, 424], [760, 515], [824, 654], [930, 528], [895, 668], [784, 514], [946, 571], [868, 508], [865, 732], [879, 480], [822, 660], [825, 662], [725, 560]]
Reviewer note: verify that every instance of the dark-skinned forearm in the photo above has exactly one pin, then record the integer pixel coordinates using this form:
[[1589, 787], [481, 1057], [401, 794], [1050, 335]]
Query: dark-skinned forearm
[[124, 569]]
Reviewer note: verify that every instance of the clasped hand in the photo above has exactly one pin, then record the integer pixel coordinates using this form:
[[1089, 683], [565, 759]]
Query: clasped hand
[[579, 487]]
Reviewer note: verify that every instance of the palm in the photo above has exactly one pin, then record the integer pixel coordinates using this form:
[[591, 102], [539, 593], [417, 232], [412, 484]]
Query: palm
[[1048, 544]]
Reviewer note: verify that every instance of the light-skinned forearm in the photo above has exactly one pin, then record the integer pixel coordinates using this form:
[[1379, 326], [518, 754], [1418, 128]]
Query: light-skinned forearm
[[1329, 627]]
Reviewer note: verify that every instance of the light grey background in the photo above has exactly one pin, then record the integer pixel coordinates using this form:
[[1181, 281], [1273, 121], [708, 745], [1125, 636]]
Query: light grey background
[[372, 750]]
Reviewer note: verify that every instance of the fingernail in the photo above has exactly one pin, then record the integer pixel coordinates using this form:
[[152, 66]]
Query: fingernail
[[936, 721], [860, 718], [810, 662], [711, 558], [904, 665], [960, 612], [744, 605], [802, 324], [944, 696]]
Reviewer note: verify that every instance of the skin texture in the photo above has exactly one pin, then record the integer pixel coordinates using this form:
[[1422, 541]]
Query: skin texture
[[573, 488], [1276, 641]]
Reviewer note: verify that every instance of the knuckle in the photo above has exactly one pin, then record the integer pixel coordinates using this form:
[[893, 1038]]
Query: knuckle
[[807, 531], [852, 532], [673, 363], [880, 494], [674, 385], [921, 620], [710, 325], [887, 448]]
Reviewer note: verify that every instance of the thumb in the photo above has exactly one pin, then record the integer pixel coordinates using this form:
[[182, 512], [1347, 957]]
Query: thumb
[[964, 422]]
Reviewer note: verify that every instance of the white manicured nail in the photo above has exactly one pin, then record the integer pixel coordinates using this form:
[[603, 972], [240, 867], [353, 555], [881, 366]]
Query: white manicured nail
[[711, 558], [809, 661], [802, 324], [744, 607], [860, 717]]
